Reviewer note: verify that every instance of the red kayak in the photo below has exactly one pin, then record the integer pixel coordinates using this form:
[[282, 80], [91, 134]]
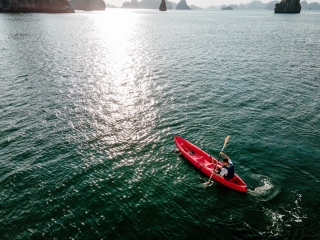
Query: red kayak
[[205, 163]]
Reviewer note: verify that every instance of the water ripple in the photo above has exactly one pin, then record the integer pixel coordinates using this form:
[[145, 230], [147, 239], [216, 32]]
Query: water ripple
[[87, 121]]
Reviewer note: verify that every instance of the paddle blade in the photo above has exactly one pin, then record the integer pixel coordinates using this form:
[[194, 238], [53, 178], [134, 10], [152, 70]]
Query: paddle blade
[[205, 185], [226, 140]]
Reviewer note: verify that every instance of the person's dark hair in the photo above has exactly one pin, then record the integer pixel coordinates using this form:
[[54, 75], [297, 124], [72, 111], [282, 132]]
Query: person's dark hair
[[225, 160]]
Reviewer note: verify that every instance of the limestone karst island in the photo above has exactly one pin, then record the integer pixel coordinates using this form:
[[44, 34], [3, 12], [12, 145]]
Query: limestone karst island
[[163, 6], [288, 6], [57, 6], [97, 5], [68, 6], [182, 5]]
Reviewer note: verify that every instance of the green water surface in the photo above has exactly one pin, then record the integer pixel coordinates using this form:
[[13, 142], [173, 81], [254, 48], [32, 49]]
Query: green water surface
[[90, 103]]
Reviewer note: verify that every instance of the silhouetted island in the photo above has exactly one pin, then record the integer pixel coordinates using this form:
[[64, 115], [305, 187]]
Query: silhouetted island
[[163, 6], [43, 6], [256, 4], [182, 5], [146, 4], [110, 6], [227, 8], [211, 8], [288, 6], [88, 5], [193, 7]]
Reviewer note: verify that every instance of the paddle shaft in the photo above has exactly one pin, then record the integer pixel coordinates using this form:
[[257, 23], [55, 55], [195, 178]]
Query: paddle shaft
[[225, 143], [218, 159], [215, 165]]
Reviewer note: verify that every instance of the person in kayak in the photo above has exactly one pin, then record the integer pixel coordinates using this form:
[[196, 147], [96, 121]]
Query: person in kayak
[[227, 169]]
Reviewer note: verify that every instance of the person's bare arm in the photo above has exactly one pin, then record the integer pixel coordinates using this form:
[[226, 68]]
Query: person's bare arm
[[225, 155]]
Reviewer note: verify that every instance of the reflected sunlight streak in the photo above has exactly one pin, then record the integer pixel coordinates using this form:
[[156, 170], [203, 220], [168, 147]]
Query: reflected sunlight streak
[[127, 107]]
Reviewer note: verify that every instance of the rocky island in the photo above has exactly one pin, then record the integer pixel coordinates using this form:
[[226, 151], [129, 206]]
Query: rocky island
[[288, 6], [163, 6], [193, 7], [88, 5], [43, 6], [146, 4], [182, 5]]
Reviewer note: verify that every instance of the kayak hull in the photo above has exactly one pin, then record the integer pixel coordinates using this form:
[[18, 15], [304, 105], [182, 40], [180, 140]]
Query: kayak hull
[[205, 163]]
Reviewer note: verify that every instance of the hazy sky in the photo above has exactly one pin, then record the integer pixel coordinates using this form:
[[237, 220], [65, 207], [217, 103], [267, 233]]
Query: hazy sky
[[201, 3]]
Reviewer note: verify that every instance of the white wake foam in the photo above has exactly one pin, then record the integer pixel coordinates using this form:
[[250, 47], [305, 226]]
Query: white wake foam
[[266, 189], [262, 190]]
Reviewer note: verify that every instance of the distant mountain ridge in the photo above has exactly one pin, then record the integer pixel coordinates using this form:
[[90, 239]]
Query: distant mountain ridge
[[270, 5], [310, 6], [256, 4]]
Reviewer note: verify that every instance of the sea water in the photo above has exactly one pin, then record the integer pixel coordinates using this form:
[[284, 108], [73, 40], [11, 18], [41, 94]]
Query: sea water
[[91, 101]]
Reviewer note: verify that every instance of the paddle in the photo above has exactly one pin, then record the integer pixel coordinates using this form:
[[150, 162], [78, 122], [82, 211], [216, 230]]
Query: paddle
[[225, 143]]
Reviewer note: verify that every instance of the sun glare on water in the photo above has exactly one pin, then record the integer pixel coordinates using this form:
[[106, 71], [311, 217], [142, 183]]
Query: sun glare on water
[[123, 81]]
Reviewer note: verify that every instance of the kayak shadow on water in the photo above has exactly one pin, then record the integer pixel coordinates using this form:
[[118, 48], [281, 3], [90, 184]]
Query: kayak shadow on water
[[266, 188]]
